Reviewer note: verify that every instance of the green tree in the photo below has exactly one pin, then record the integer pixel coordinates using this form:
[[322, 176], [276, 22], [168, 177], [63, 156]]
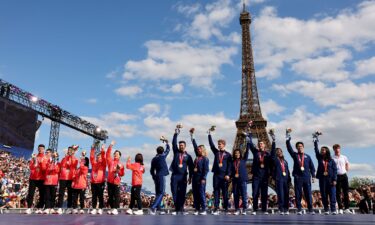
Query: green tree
[[357, 182]]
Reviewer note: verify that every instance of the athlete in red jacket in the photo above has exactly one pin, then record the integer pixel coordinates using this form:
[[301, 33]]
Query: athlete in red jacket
[[138, 171], [67, 167], [79, 184], [51, 166], [36, 180], [115, 172], [98, 167]]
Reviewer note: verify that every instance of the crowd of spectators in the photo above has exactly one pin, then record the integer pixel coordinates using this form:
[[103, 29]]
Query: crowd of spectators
[[14, 174]]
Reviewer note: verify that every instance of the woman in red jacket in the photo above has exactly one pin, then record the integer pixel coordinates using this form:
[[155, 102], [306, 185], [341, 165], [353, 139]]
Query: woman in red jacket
[[98, 166], [115, 172], [51, 166], [138, 171], [79, 185]]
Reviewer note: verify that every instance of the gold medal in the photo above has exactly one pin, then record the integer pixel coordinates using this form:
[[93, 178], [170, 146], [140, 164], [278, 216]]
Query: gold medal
[[180, 165], [325, 173], [237, 175], [262, 165], [284, 174], [195, 169], [302, 168], [220, 165]]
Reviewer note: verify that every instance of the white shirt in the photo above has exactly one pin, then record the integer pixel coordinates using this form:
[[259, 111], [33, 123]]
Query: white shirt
[[341, 162]]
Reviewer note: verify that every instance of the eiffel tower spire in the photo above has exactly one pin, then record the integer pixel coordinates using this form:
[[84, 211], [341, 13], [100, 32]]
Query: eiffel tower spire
[[250, 107]]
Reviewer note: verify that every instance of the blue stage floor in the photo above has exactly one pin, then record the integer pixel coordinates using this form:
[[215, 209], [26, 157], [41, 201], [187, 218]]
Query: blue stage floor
[[18, 219]]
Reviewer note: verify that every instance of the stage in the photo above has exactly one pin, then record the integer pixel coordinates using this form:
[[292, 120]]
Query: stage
[[17, 219]]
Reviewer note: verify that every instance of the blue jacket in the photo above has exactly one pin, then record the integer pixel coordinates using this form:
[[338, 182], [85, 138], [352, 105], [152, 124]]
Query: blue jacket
[[226, 169], [242, 170], [187, 161], [308, 164], [159, 165], [278, 171], [332, 168], [256, 169], [202, 164]]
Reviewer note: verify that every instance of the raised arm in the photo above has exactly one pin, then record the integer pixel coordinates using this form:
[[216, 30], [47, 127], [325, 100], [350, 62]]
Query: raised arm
[[195, 146], [92, 156], [212, 145], [273, 151], [167, 150], [250, 144], [290, 148], [174, 143], [316, 148]]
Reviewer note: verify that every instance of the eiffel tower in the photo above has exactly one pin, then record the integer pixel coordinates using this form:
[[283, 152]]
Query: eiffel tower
[[250, 107]]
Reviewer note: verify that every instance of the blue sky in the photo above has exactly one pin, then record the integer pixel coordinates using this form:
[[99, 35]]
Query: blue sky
[[138, 68]]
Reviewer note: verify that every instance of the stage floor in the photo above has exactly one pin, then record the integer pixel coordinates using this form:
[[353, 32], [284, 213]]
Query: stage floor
[[18, 219]]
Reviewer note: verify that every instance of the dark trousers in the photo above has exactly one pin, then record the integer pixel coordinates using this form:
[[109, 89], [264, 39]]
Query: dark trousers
[[159, 191], [327, 190], [65, 184], [50, 196], [342, 185], [260, 186], [81, 194], [199, 194], [135, 196], [282, 191], [178, 188], [97, 194], [113, 195], [305, 184], [220, 184], [240, 189], [33, 184]]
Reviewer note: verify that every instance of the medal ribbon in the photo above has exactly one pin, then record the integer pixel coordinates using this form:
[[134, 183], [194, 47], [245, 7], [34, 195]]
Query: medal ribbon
[[237, 165], [181, 157], [221, 157], [301, 161]]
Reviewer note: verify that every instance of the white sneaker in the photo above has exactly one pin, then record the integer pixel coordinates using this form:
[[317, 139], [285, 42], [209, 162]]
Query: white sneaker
[[100, 211], [46, 211], [52, 211], [299, 213], [281, 213], [236, 213], [286, 213], [161, 213], [109, 212], [312, 212], [59, 211], [114, 212], [129, 212], [265, 213], [326, 213], [334, 213], [38, 211], [347, 211], [93, 212], [215, 212], [196, 213], [174, 213], [254, 213], [138, 212], [244, 213], [69, 211], [75, 211], [341, 211], [203, 213], [152, 211], [81, 211], [28, 211]]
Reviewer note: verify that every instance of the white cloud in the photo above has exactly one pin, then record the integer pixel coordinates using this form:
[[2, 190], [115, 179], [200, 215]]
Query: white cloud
[[176, 88], [92, 100], [150, 109], [282, 40], [116, 124], [270, 107], [365, 67], [329, 68], [179, 61], [362, 168], [130, 91], [342, 93]]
